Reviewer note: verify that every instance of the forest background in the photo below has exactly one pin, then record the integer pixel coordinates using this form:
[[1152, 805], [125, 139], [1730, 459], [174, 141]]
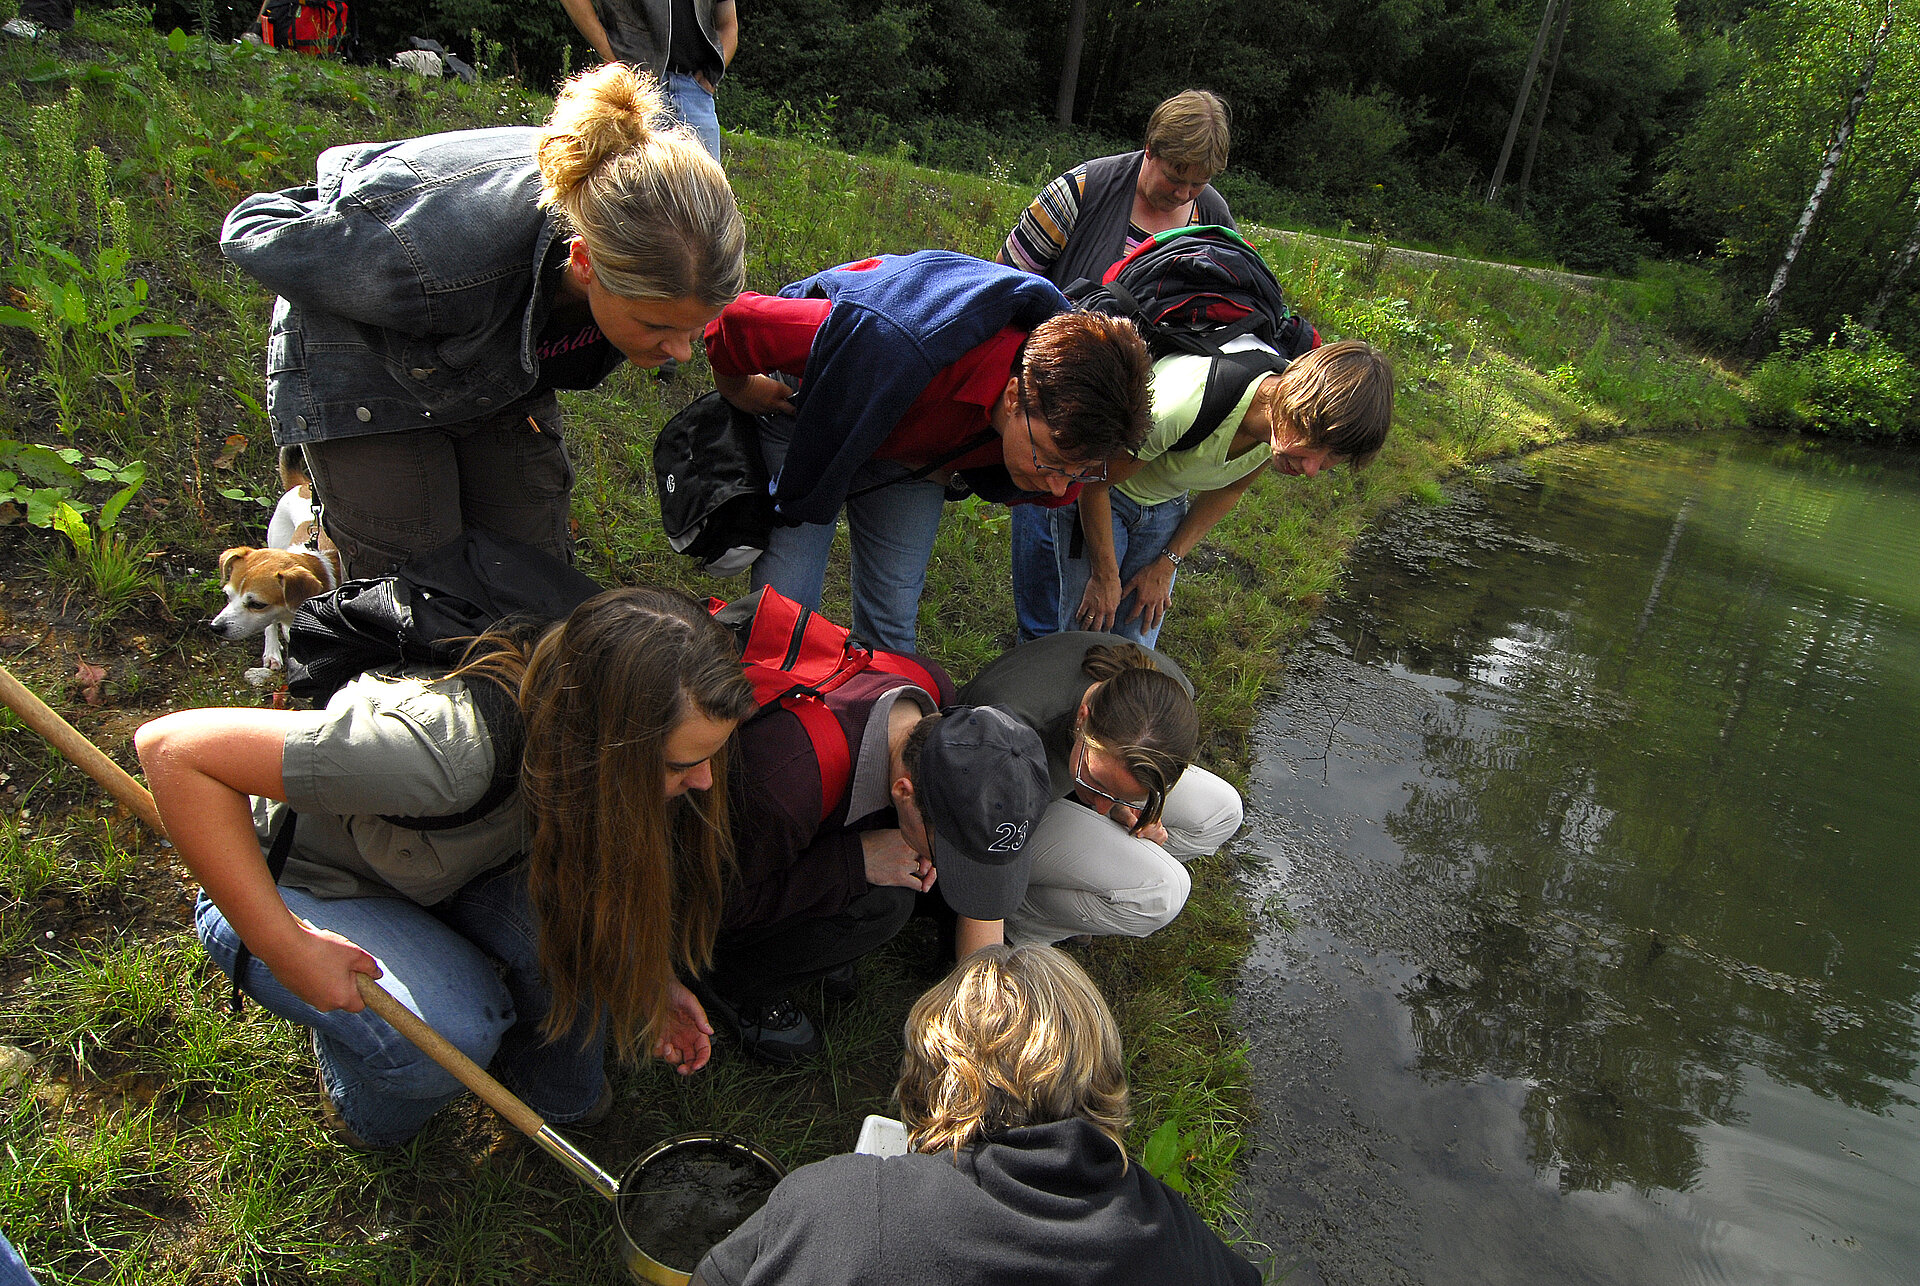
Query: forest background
[[1690, 131]]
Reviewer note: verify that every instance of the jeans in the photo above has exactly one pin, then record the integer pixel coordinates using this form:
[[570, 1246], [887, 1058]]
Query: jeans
[[1036, 577], [892, 530], [386, 497], [1140, 533], [439, 962], [694, 106]]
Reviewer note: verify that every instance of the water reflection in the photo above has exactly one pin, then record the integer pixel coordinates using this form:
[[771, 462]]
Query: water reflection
[[1649, 846]]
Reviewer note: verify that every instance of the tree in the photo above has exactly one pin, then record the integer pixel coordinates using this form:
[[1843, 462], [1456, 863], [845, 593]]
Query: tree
[[1070, 63], [1836, 149]]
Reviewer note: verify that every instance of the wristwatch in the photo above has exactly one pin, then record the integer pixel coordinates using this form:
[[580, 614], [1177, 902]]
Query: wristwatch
[[1171, 557]]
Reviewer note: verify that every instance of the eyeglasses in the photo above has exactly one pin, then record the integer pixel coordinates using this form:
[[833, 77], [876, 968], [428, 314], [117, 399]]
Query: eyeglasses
[[1033, 444], [1079, 779]]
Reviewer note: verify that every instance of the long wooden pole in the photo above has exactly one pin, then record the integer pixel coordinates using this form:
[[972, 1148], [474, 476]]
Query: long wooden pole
[[86, 756]]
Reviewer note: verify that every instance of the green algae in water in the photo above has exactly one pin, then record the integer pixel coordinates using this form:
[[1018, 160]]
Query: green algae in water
[[687, 1200]]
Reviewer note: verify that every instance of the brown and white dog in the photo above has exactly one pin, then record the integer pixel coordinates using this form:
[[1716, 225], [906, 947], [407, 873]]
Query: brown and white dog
[[264, 586]]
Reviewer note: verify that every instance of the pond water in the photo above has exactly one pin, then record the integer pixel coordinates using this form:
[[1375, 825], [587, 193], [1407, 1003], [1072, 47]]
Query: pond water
[[1590, 939]]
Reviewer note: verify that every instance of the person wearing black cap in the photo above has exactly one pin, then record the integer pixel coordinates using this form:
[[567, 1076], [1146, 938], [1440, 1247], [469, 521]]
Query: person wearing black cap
[[968, 797], [821, 883]]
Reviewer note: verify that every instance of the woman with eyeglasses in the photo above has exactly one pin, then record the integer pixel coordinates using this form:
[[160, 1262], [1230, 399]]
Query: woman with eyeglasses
[[921, 378], [1130, 808]]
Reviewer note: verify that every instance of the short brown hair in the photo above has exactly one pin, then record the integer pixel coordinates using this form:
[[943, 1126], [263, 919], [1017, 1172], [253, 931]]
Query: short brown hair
[[1014, 1036], [1191, 128], [1338, 396], [1088, 376]]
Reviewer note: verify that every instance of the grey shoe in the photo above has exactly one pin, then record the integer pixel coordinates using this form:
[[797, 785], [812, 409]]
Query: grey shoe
[[774, 1031]]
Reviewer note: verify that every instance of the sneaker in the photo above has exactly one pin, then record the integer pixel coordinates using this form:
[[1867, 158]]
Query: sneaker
[[774, 1031], [841, 983], [330, 1117]]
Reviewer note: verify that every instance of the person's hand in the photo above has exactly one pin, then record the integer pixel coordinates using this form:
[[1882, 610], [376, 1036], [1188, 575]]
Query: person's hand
[[891, 861], [318, 966], [1152, 590], [1125, 818], [1099, 602], [687, 1039], [700, 79], [755, 394]]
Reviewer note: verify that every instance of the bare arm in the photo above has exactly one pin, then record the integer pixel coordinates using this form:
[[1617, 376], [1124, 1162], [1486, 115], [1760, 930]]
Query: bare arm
[[1102, 596], [202, 765], [970, 935], [1152, 585], [581, 11]]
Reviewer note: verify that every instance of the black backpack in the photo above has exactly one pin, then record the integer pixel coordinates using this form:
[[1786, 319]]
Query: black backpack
[[1204, 290], [428, 611], [714, 501]]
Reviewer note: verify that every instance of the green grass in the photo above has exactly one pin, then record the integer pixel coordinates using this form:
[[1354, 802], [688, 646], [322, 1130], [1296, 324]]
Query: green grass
[[161, 1140]]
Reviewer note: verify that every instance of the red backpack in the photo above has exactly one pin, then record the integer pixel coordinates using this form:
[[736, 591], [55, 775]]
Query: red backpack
[[795, 657], [317, 28]]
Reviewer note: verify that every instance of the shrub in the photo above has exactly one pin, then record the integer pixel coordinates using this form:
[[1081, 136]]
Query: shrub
[[1855, 385]]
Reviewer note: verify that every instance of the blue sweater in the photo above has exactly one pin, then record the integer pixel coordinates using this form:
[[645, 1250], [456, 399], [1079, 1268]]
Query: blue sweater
[[897, 321]]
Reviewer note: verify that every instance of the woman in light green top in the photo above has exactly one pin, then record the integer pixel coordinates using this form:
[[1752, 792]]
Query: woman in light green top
[[1119, 549]]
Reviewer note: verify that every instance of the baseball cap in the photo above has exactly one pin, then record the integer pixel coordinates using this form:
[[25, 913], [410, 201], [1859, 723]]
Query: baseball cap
[[983, 785]]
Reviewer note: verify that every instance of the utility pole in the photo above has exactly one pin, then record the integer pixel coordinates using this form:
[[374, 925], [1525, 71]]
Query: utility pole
[[1070, 66], [1540, 112], [1520, 103]]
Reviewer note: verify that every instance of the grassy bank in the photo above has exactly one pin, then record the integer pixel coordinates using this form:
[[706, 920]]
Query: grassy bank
[[157, 1139]]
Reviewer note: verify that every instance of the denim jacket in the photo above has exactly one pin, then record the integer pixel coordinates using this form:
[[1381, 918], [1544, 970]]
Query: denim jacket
[[407, 282]]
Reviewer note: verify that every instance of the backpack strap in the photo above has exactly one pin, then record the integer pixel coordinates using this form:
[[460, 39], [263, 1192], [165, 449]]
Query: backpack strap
[[973, 443], [277, 852], [507, 728], [1229, 376]]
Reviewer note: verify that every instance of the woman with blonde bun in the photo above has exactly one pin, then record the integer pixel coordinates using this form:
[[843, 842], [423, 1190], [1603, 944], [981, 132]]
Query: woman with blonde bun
[[1014, 1094], [434, 292]]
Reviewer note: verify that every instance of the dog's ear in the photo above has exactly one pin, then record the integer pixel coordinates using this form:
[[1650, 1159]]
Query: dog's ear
[[228, 559], [297, 585]]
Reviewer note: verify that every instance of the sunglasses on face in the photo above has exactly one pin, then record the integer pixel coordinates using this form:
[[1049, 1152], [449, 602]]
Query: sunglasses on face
[[1033, 444], [1080, 779]]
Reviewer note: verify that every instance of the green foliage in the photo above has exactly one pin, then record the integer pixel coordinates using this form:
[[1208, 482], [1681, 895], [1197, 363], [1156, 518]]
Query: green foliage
[[1854, 385]]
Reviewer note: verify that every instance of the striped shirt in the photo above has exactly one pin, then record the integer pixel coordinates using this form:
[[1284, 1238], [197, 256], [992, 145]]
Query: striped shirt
[[1037, 240]]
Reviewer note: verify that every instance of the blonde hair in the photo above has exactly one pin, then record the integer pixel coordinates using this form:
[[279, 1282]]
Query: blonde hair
[[1339, 396], [1014, 1036], [654, 209], [1191, 128]]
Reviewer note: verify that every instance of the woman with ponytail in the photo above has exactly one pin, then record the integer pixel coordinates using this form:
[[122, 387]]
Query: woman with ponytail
[[1130, 807], [434, 292], [591, 866]]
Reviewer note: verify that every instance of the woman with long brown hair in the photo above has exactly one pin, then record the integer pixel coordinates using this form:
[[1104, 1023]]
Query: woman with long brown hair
[[549, 805]]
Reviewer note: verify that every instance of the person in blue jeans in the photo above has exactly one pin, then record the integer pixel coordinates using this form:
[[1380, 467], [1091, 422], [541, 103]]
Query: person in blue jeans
[[889, 386], [418, 858], [686, 44], [1116, 552]]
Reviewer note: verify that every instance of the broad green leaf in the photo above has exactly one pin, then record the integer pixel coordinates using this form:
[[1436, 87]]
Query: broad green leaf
[[69, 523], [1161, 1156], [19, 317], [177, 41], [156, 330]]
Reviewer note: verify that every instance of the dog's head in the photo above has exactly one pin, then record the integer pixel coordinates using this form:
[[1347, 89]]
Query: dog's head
[[263, 586]]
